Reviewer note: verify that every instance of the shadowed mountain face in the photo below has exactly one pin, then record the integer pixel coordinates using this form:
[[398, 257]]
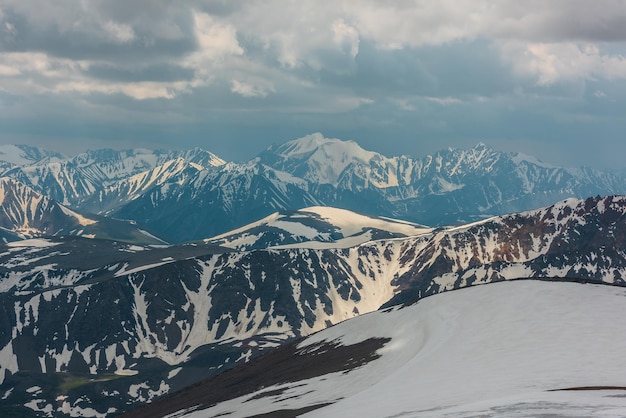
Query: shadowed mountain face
[[192, 195], [216, 200], [108, 326]]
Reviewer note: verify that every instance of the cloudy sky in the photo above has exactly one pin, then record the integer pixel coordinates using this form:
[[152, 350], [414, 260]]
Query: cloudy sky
[[547, 78]]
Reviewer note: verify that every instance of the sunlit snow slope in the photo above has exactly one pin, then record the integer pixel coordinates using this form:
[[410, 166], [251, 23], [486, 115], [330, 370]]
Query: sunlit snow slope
[[316, 227], [492, 350]]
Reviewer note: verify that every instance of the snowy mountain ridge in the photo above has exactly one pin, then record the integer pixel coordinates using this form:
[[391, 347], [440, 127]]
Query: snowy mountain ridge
[[451, 186], [215, 200], [127, 189], [72, 180], [315, 227]]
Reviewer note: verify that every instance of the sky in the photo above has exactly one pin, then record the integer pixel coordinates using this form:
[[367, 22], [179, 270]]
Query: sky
[[547, 78]]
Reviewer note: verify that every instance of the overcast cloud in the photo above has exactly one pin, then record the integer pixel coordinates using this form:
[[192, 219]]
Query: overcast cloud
[[401, 77]]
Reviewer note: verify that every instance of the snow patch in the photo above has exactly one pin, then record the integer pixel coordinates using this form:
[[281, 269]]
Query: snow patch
[[80, 218], [34, 242], [174, 372]]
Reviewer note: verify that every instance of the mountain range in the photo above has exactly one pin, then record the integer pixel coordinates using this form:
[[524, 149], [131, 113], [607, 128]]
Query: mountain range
[[180, 196], [186, 312], [127, 276]]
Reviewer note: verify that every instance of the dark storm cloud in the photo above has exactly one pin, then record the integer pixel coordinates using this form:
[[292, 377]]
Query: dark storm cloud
[[101, 35]]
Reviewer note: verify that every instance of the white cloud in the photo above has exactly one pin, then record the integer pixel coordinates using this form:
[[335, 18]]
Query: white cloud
[[599, 94], [215, 39], [9, 70], [444, 101], [250, 90], [346, 35], [400, 24], [287, 47], [48, 75], [37, 69], [397, 25], [217, 42], [45, 73], [138, 91], [566, 61], [118, 32]]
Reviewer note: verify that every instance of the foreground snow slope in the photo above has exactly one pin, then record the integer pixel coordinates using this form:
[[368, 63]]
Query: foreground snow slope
[[489, 350]]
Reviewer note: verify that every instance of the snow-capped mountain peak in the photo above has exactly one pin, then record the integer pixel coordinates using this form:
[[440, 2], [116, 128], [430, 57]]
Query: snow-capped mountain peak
[[316, 158], [314, 142], [200, 157]]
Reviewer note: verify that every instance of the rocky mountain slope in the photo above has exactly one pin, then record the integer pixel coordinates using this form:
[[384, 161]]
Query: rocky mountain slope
[[107, 200], [186, 312]]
